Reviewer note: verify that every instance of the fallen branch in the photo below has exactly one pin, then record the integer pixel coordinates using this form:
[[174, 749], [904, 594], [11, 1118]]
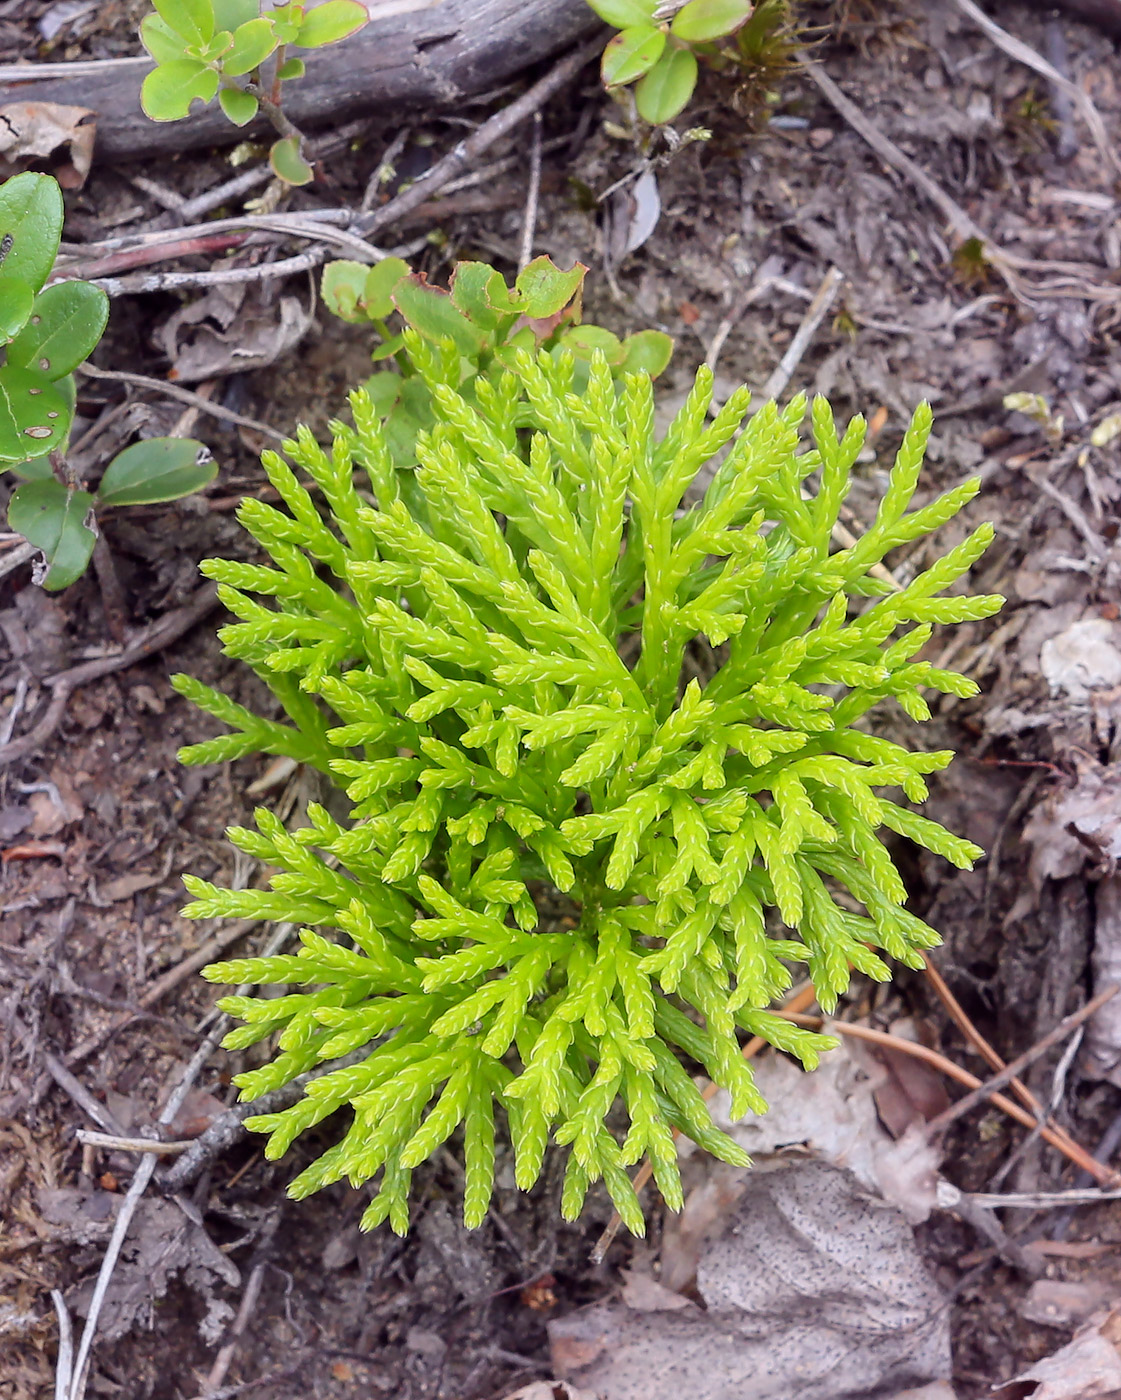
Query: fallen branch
[[432, 57]]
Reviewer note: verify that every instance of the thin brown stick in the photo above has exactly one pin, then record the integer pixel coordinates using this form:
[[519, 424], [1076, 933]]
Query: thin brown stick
[[457, 160], [181, 395], [960, 1018], [1012, 1069], [1068, 1147], [160, 634], [533, 194]]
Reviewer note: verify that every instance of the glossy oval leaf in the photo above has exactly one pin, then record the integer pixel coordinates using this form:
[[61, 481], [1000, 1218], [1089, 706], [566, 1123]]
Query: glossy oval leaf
[[161, 40], [545, 289], [16, 303], [30, 227], [631, 53], [168, 91], [481, 294], [252, 44], [291, 68], [33, 469], [665, 90], [34, 415], [327, 24], [66, 322], [343, 287], [239, 107], [381, 279], [647, 352], [158, 469], [288, 164], [193, 19], [622, 14], [702, 20], [53, 519]]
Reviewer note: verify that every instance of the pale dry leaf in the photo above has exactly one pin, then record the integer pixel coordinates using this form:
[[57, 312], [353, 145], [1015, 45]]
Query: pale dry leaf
[[1064, 1303], [1084, 658], [229, 332], [1087, 1368], [32, 132], [645, 1294], [815, 1290]]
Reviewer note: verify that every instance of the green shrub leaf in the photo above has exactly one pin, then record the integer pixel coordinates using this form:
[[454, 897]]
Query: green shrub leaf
[[291, 68], [664, 91], [239, 107], [288, 164], [700, 21], [193, 20], [161, 41], [16, 301], [431, 311], [53, 519], [328, 23], [343, 288], [623, 14], [631, 53], [66, 323], [168, 91], [647, 352], [30, 227], [545, 289], [232, 14], [381, 281], [34, 415], [252, 44], [157, 469]]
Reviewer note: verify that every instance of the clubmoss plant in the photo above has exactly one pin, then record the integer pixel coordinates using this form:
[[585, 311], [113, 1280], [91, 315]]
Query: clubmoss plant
[[596, 699]]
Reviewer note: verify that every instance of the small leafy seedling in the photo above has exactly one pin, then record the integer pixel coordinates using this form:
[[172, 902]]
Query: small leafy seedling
[[659, 48], [485, 320], [660, 55], [237, 51], [598, 700], [45, 333]]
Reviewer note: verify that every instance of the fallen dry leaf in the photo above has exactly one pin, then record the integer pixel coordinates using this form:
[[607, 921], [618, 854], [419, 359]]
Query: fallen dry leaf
[[229, 330], [1058, 1303], [1088, 1368], [815, 1290], [31, 132]]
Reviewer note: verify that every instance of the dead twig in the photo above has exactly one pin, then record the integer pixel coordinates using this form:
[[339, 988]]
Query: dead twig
[[153, 639], [533, 194], [67, 1082], [481, 139], [1011, 1070], [815, 313], [111, 1142], [1025, 54], [1055, 1136], [185, 396], [75, 1381], [1073, 279]]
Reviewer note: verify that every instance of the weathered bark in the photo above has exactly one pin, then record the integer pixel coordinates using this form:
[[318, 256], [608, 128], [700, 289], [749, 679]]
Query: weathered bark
[[431, 57]]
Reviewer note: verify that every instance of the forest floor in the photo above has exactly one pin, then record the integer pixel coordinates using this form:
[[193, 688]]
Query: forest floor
[[230, 1289]]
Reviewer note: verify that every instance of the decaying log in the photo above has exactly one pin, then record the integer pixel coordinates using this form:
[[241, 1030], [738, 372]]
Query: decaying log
[[423, 54]]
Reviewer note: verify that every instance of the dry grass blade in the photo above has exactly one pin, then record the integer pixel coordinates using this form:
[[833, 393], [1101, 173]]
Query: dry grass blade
[[1025, 54]]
